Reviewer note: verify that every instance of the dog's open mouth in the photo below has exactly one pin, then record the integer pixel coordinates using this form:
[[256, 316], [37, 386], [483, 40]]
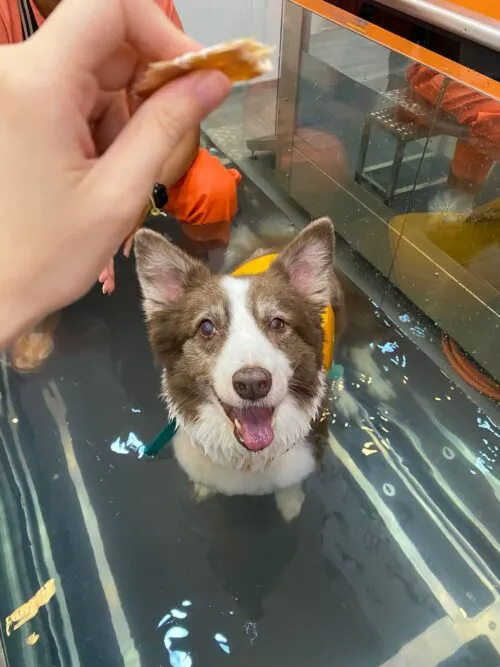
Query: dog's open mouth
[[253, 427]]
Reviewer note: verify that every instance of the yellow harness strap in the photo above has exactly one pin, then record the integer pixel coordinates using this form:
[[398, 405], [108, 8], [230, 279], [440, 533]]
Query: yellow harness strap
[[260, 265]]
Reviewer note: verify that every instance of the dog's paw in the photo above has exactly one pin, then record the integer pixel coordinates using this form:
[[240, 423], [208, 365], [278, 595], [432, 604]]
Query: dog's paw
[[290, 501], [202, 492]]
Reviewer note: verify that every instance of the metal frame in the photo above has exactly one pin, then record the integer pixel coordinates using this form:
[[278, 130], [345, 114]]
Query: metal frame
[[458, 20], [295, 35], [389, 40]]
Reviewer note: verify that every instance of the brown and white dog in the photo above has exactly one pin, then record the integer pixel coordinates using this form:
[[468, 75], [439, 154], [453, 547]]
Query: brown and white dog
[[242, 362]]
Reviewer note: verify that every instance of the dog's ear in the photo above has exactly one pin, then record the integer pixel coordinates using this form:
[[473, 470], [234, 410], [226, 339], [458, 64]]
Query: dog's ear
[[308, 261], [163, 270]]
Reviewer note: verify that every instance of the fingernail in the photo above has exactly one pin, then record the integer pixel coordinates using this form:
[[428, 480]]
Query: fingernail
[[211, 89]]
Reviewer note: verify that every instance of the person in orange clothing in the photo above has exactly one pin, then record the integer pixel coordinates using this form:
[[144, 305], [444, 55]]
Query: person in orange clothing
[[470, 166], [481, 114], [201, 191]]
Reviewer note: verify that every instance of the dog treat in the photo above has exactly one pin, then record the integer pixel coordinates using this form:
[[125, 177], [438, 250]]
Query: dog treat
[[239, 60]]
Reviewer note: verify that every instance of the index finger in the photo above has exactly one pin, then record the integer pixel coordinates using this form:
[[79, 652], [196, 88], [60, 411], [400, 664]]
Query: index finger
[[87, 33]]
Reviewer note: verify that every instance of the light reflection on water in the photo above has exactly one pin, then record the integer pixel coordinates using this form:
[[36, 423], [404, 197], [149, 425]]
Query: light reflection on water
[[222, 642], [179, 654], [131, 445], [178, 658]]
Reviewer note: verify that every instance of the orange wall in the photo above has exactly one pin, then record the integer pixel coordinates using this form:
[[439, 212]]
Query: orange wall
[[489, 8]]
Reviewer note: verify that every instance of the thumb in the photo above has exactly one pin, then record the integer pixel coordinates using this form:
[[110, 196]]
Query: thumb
[[128, 169]]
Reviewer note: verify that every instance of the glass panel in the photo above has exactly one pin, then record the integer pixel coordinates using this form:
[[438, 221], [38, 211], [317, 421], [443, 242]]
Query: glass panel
[[378, 142], [250, 111], [449, 254], [354, 157]]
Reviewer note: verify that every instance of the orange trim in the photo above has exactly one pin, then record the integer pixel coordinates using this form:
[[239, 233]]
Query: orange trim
[[391, 41]]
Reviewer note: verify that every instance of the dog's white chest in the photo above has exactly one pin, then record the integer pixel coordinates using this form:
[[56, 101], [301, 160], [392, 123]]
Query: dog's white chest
[[285, 471]]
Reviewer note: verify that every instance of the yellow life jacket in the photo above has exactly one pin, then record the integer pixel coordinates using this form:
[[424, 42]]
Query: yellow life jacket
[[260, 265]]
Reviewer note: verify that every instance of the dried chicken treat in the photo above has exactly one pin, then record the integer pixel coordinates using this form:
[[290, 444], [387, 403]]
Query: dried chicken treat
[[239, 60]]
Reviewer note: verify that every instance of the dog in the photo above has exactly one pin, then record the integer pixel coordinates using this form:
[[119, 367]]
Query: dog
[[241, 361]]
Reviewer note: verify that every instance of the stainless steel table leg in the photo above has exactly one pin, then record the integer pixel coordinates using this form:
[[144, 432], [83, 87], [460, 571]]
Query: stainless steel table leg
[[363, 150], [396, 168]]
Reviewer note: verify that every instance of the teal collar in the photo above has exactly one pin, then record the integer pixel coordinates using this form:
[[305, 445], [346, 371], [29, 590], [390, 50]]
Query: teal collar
[[162, 439]]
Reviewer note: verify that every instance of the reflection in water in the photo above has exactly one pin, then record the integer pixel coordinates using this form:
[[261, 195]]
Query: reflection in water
[[131, 445], [249, 565], [489, 457], [250, 628], [415, 462], [178, 657], [222, 641]]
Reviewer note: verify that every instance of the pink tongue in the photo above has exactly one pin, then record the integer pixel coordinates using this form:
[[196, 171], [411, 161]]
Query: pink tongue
[[256, 430]]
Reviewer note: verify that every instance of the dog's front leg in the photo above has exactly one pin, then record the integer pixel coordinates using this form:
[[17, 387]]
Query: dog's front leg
[[290, 501], [202, 492]]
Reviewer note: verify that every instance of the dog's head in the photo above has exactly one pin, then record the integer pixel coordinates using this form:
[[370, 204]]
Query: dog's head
[[241, 356]]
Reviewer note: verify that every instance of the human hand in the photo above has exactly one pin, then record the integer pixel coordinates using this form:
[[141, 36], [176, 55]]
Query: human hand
[[65, 207], [107, 278]]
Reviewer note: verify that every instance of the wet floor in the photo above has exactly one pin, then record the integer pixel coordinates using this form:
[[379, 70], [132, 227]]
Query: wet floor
[[394, 560]]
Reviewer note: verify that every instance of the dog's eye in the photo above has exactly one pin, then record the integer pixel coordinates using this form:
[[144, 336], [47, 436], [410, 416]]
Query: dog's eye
[[277, 324], [207, 328]]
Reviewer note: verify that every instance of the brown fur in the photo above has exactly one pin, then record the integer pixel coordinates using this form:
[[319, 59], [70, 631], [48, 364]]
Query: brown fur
[[181, 349], [337, 287], [271, 295]]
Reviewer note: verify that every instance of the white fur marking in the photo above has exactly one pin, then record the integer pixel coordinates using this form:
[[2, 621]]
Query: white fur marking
[[286, 470], [246, 345]]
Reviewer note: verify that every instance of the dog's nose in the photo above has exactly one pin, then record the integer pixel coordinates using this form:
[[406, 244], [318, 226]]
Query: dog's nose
[[252, 383]]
